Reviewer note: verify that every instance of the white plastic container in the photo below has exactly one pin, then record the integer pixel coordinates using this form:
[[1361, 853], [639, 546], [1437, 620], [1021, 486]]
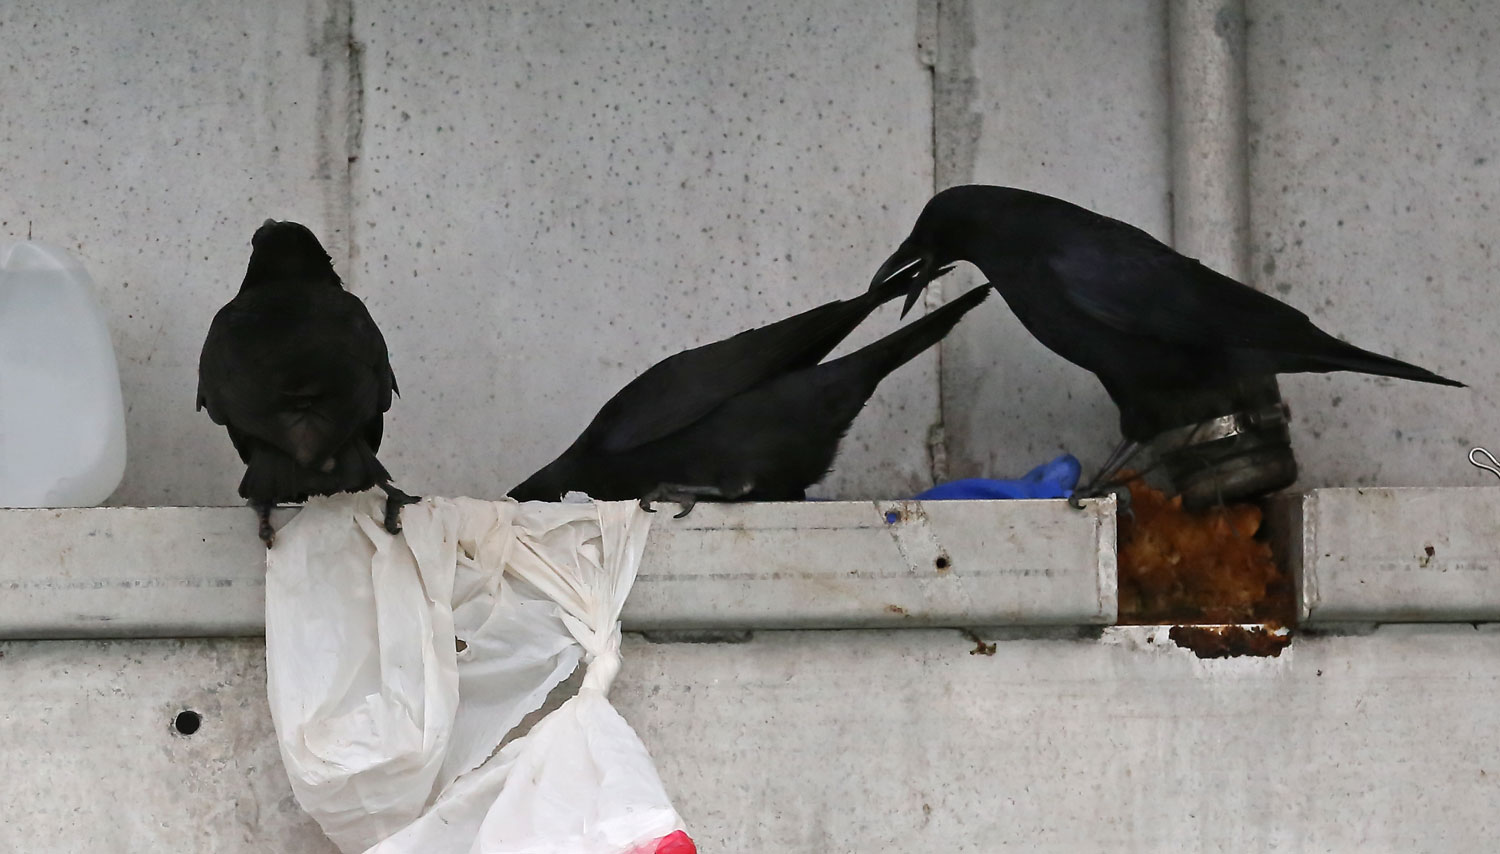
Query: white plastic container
[[62, 420]]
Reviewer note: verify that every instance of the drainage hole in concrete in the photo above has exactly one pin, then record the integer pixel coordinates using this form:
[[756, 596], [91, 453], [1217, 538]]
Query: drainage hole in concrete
[[187, 722], [941, 562]]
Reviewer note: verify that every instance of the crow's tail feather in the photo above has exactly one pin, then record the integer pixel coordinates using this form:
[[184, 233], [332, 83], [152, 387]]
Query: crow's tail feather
[[1347, 357], [903, 345]]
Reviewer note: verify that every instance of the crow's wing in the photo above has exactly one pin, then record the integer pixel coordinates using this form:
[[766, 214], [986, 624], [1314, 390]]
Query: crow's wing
[[1126, 279]]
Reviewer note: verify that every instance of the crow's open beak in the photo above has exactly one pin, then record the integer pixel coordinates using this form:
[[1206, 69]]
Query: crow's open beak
[[918, 285], [894, 266], [907, 263]]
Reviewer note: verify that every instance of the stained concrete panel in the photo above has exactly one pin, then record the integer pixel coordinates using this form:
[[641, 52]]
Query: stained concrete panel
[[151, 139], [908, 741], [1375, 181], [847, 742], [549, 199], [95, 762], [1065, 98], [1385, 555]]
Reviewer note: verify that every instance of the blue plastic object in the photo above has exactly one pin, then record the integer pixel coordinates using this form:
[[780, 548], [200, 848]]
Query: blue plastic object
[[1055, 479]]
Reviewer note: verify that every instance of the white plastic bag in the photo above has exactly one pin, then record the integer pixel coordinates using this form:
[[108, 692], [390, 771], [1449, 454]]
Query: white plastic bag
[[389, 731]]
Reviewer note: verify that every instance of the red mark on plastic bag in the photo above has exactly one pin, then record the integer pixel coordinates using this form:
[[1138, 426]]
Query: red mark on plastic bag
[[676, 842]]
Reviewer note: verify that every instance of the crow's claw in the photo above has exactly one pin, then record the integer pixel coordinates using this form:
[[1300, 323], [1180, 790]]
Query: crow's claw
[[266, 533], [688, 496], [395, 499]]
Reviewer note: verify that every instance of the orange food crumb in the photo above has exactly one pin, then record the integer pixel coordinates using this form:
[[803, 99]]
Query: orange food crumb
[[1178, 566]]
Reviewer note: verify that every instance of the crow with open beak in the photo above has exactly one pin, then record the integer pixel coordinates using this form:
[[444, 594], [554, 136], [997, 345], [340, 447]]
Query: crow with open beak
[[1153, 325]]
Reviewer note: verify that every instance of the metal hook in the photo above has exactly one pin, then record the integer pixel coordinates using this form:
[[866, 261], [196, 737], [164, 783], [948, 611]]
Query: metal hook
[[1492, 466]]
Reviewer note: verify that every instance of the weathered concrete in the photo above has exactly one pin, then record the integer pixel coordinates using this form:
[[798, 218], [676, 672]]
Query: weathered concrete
[[152, 140], [549, 200], [1375, 178], [1066, 98], [854, 565], [1389, 555], [1210, 200], [96, 764], [178, 571], [848, 742]]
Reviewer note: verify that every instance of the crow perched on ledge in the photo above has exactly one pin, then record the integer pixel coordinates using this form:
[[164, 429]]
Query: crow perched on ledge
[[1154, 326], [297, 371]]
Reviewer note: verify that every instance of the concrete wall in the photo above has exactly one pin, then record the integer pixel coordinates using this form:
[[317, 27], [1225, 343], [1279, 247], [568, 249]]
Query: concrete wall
[[538, 203], [151, 139], [551, 198], [1374, 142], [846, 742], [1005, 72], [1375, 181]]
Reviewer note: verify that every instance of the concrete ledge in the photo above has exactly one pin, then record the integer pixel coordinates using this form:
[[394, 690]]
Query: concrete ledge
[[1392, 555], [122, 572], [126, 572], [851, 564]]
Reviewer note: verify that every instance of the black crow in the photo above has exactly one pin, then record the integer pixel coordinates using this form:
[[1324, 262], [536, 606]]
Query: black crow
[[298, 372], [1154, 326], [750, 418]]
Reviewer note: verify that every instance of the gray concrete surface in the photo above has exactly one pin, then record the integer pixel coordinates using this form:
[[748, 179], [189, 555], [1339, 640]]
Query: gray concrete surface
[[1391, 555], [151, 140], [1210, 196], [1375, 178], [550, 199], [95, 763], [1066, 98], [541, 204], [847, 742]]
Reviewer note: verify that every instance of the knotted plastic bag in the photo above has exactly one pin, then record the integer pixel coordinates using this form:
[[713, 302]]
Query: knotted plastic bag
[[398, 664]]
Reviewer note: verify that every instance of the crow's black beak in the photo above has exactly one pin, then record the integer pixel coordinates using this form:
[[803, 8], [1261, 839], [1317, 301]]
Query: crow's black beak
[[907, 264], [894, 266], [918, 285]]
